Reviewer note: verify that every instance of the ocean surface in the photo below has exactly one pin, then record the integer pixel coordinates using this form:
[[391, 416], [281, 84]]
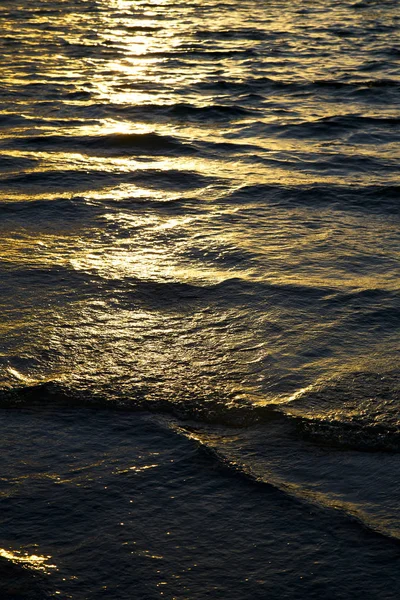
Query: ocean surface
[[199, 296]]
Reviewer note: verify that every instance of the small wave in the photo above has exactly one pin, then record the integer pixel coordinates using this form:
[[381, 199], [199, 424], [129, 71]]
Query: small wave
[[264, 84], [359, 411], [172, 179], [199, 54], [367, 4], [88, 180], [209, 407], [61, 210], [336, 125], [351, 434], [152, 143], [363, 83], [342, 415], [142, 28], [244, 33], [50, 91], [76, 50], [62, 179], [16, 163], [78, 95], [380, 319], [217, 411], [117, 143], [233, 291], [380, 198], [128, 144], [66, 280], [15, 120], [294, 491], [212, 112]]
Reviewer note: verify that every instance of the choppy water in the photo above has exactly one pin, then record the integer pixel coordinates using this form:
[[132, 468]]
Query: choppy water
[[199, 239]]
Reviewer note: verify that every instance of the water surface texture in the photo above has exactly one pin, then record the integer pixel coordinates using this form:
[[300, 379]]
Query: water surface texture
[[199, 276]]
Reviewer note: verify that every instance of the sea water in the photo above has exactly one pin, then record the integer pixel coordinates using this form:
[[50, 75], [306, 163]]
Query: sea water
[[199, 242]]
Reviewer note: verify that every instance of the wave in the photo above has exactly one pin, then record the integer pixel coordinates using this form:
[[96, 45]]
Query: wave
[[379, 198], [13, 119], [236, 291], [264, 83], [79, 179], [62, 212], [127, 144], [199, 54], [17, 163], [356, 83], [189, 419], [95, 50], [183, 111], [371, 3], [380, 319], [142, 28], [244, 33], [296, 492], [337, 125], [116, 143], [359, 411], [233, 291], [64, 281], [350, 434], [45, 90]]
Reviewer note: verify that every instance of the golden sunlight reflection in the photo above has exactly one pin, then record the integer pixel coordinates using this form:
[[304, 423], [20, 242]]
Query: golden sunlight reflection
[[199, 238], [33, 561], [155, 245], [136, 469]]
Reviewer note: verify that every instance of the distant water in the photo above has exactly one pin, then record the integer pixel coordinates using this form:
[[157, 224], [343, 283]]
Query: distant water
[[199, 277]]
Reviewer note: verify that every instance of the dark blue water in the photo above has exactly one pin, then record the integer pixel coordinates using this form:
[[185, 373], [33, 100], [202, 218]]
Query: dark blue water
[[199, 290]]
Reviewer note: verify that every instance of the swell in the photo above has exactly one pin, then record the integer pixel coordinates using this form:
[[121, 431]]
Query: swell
[[294, 492], [370, 88], [142, 112], [47, 91], [15, 164], [118, 143], [57, 208], [328, 162], [358, 410], [371, 198], [183, 111], [124, 144], [338, 125], [64, 210], [380, 198], [200, 54], [183, 55], [233, 291], [151, 178], [244, 33], [351, 434], [56, 395], [312, 85], [322, 416]]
